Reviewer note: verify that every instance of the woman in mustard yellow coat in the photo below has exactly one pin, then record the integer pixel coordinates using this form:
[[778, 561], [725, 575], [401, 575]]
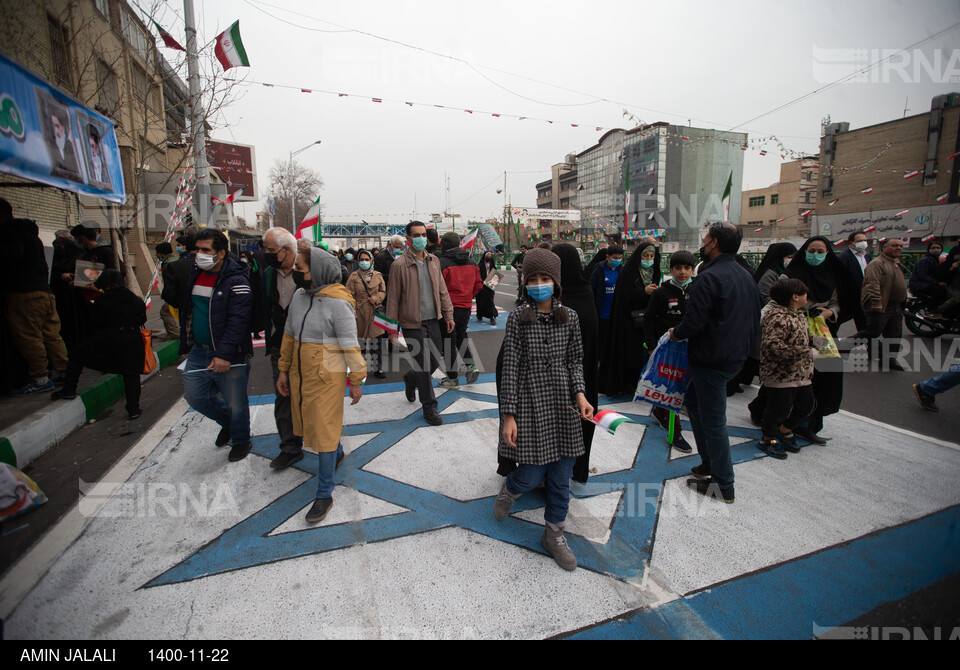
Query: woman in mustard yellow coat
[[318, 354]]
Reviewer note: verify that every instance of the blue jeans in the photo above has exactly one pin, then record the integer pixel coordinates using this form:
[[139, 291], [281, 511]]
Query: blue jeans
[[218, 396], [326, 468], [706, 402], [557, 474], [943, 382]]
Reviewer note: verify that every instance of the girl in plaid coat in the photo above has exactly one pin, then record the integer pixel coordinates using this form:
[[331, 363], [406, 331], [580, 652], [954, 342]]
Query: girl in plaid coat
[[541, 396]]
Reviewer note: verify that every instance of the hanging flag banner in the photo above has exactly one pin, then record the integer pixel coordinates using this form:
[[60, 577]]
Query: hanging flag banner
[[487, 233], [537, 214], [46, 136], [229, 48]]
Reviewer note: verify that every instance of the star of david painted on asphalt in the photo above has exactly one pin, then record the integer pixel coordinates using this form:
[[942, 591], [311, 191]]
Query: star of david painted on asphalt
[[624, 554]]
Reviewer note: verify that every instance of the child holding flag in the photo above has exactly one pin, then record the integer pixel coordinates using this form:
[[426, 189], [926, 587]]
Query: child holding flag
[[542, 382]]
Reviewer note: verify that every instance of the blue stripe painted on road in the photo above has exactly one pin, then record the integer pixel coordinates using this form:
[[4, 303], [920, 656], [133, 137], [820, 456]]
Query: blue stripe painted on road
[[809, 595]]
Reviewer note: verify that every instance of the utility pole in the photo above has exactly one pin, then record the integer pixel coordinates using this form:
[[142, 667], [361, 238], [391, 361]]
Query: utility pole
[[197, 120]]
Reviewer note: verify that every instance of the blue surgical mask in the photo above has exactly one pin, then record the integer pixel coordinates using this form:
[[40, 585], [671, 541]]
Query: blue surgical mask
[[349, 257], [419, 243], [540, 292], [815, 259], [646, 264], [364, 265], [683, 284], [615, 263]]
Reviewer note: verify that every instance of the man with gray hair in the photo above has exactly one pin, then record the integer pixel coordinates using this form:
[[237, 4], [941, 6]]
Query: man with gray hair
[[280, 253]]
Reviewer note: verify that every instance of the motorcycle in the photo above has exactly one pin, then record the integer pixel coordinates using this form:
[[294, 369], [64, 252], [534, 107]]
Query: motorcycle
[[918, 321]]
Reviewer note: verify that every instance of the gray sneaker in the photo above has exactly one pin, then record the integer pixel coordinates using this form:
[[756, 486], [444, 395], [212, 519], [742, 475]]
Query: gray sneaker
[[447, 383], [473, 375], [556, 544], [503, 503]]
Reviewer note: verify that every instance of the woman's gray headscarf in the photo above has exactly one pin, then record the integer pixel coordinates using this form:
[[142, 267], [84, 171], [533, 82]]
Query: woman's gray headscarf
[[324, 269]]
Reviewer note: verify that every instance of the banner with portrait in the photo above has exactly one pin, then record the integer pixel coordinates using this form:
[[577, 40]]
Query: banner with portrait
[[46, 136]]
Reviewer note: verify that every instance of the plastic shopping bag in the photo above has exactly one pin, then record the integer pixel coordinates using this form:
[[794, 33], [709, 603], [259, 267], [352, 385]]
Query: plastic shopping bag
[[18, 493], [664, 379], [821, 338]]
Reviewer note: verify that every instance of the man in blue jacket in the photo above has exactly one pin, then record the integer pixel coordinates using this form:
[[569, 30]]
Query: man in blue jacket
[[215, 334], [721, 324]]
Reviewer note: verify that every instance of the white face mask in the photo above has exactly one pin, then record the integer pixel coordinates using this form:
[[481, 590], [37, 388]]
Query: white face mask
[[860, 246], [205, 261]]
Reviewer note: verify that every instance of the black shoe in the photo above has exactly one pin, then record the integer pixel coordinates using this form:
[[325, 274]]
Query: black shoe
[[380, 374], [772, 448], [319, 510], [681, 445], [700, 471], [135, 414], [662, 418], [789, 442], [238, 452], [64, 394], [809, 436], [928, 402], [433, 418], [706, 487], [223, 439], [285, 460], [493, 321], [410, 389]]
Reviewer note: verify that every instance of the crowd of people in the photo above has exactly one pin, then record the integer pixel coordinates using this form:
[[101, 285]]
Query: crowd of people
[[576, 332]]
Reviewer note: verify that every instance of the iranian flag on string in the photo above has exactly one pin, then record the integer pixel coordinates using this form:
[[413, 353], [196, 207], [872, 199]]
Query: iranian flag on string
[[952, 156], [928, 238], [229, 48], [726, 197], [609, 421], [310, 226], [867, 190], [230, 198], [388, 325], [470, 239], [869, 229], [902, 213], [839, 243], [909, 175], [943, 196], [833, 202], [167, 38], [803, 214]]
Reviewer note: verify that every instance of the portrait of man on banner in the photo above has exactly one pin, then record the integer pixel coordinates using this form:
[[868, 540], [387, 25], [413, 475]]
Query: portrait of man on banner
[[56, 120], [98, 173]]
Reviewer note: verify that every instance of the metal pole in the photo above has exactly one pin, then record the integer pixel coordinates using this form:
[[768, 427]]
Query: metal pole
[[197, 124]]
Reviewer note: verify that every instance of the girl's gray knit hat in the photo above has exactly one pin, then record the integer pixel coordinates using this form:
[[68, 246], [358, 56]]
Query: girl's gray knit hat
[[543, 261]]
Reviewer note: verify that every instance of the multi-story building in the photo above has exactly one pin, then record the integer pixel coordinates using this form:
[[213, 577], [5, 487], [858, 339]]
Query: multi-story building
[[676, 177], [558, 192], [777, 211], [102, 54], [902, 176]]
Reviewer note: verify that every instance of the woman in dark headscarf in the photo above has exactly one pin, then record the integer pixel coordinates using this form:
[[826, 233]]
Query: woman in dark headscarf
[[623, 356], [598, 259], [773, 265], [486, 308], [831, 293], [768, 272], [578, 296]]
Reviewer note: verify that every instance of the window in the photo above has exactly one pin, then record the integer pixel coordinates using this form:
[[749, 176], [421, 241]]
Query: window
[[109, 95], [808, 175], [58, 52], [141, 86], [775, 198], [758, 201], [103, 6], [136, 37]]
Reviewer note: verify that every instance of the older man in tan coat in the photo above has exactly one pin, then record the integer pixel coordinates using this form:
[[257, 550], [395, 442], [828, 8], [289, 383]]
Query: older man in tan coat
[[884, 292]]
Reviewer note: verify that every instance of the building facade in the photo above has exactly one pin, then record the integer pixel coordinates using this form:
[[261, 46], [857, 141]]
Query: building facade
[[902, 176], [777, 212]]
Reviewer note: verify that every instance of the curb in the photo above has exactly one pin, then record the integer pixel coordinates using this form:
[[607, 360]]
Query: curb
[[31, 437]]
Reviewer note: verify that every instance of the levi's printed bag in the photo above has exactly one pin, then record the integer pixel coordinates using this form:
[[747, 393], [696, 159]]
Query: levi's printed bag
[[664, 379]]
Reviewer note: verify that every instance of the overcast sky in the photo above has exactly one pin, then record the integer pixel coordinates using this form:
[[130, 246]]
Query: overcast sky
[[718, 65]]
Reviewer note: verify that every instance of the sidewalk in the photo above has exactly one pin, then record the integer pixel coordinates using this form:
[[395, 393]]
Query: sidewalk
[[31, 425], [177, 543]]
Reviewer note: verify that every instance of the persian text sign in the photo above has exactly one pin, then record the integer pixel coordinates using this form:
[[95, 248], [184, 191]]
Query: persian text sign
[[236, 165], [48, 137]]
